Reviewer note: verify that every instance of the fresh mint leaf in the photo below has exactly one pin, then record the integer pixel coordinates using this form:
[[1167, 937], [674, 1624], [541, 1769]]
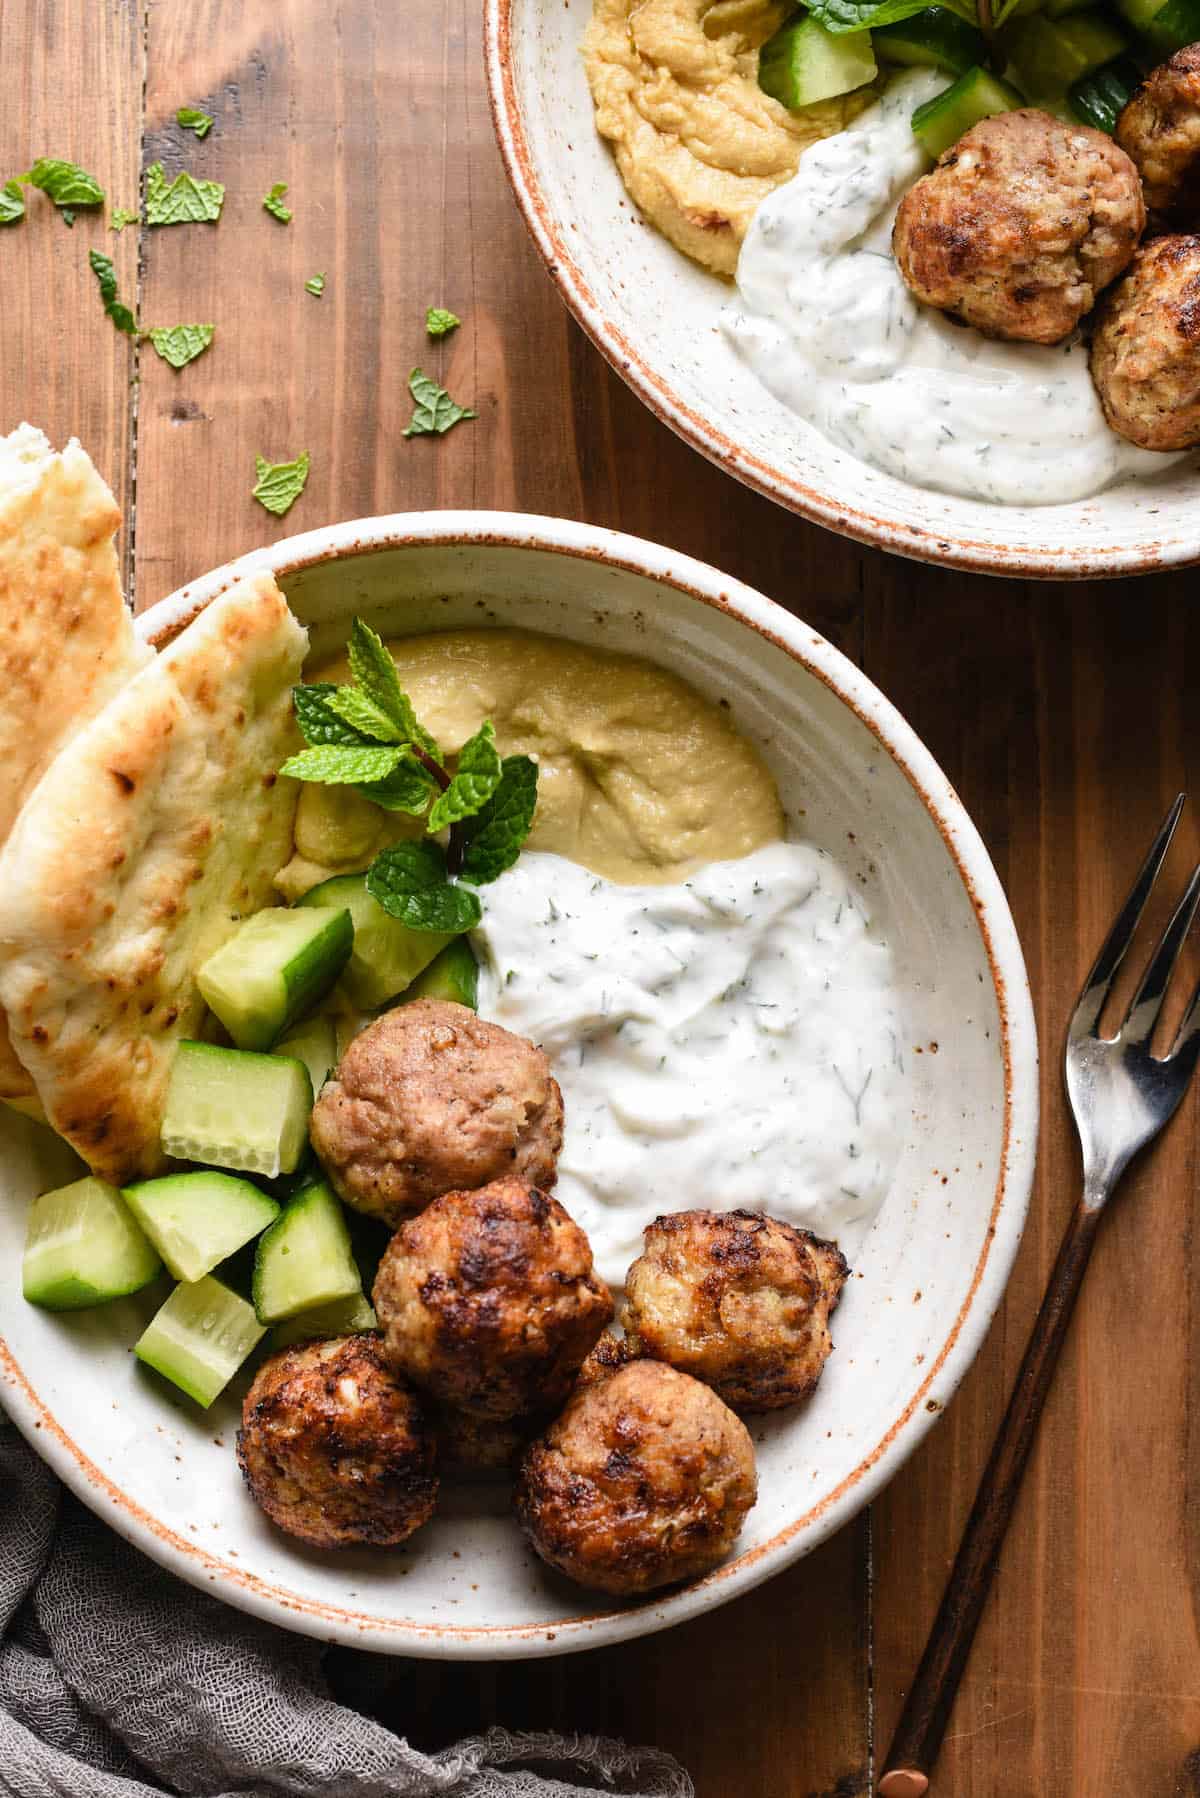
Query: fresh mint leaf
[[121, 217], [190, 118], [106, 274], [476, 779], [353, 706], [435, 412], [184, 201], [181, 344], [12, 203], [373, 668], [65, 182], [274, 202], [439, 322], [343, 764], [318, 723], [504, 823], [406, 789], [280, 484], [68, 217], [315, 285], [839, 16], [409, 881]]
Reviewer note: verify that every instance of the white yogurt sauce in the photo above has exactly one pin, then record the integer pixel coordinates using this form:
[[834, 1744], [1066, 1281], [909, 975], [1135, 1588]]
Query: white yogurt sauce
[[733, 1041], [829, 327]]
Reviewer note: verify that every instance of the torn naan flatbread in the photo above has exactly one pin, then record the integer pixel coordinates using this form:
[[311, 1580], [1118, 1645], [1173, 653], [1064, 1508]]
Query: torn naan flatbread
[[66, 636], [151, 835]]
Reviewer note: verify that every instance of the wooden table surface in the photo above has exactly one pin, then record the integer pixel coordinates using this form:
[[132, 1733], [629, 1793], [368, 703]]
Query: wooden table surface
[[1065, 715]]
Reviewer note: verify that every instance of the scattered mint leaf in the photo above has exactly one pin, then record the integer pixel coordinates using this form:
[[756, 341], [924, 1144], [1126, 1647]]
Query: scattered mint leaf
[[106, 274], [435, 413], [65, 182], [315, 285], [192, 119], [184, 201], [280, 484], [440, 323], [12, 203], [504, 823], [474, 782], [343, 764], [68, 217], [120, 218], [374, 670], [409, 880], [353, 706], [317, 721], [181, 344], [274, 202], [406, 789]]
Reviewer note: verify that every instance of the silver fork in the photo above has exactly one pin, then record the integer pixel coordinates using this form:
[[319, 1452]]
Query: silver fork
[[1121, 1096]]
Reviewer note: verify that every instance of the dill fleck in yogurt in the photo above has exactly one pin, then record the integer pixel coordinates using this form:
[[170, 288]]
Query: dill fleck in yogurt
[[730, 1041], [827, 324]]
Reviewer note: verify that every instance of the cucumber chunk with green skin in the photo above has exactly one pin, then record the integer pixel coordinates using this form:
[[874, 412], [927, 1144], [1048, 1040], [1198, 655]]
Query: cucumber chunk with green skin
[[231, 1108], [200, 1338], [274, 967], [1167, 27], [935, 39], [196, 1220], [387, 956], [940, 122], [1048, 55], [315, 1044], [83, 1246], [1101, 97], [305, 1259], [341, 1317], [804, 63], [454, 975]]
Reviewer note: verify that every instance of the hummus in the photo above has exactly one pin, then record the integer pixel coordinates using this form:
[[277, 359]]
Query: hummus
[[639, 778], [698, 143]]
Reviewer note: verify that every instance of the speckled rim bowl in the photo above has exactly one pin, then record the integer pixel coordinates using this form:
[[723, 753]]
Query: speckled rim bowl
[[928, 1278], [654, 314]]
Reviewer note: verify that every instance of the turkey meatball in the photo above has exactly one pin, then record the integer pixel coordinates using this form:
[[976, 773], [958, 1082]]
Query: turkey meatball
[[1160, 130], [335, 1448], [1146, 347], [737, 1300], [432, 1099], [489, 1301], [1020, 225], [644, 1480]]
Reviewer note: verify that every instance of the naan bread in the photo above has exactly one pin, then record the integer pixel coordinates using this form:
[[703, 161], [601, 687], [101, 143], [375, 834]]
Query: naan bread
[[66, 637], [157, 829]]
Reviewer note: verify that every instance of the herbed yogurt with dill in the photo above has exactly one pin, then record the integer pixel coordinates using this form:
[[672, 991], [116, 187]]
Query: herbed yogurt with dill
[[730, 1041], [826, 322]]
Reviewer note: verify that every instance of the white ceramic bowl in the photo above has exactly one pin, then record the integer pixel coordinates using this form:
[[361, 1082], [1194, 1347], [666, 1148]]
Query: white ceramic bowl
[[932, 1270], [653, 313]]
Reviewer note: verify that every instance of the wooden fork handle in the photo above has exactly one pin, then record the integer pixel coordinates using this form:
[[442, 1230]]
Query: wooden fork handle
[[923, 1721]]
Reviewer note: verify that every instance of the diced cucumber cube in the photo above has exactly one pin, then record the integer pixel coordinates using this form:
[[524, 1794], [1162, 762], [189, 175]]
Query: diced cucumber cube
[[804, 63], [83, 1247], [454, 975], [341, 1317], [1048, 55], [315, 1044], [936, 38], [274, 967], [940, 122], [305, 1259], [200, 1338], [387, 956], [231, 1108], [195, 1220]]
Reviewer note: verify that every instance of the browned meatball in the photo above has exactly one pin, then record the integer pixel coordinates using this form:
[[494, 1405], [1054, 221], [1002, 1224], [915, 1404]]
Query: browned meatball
[[489, 1301], [335, 1448], [737, 1300], [1146, 348], [1160, 130], [644, 1480], [432, 1099], [1020, 225], [611, 1351]]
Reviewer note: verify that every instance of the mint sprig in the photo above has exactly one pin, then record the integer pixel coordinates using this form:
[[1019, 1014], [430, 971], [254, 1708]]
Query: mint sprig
[[474, 781], [502, 825], [410, 881], [375, 673]]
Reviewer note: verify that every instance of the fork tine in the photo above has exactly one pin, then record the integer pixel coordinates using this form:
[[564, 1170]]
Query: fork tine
[[1146, 1003], [1187, 1043], [1112, 954]]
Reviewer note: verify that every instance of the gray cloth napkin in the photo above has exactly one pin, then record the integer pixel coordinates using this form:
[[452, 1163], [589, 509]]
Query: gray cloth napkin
[[119, 1681]]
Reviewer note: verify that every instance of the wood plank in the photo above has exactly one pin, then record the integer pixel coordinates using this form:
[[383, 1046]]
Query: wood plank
[[77, 96]]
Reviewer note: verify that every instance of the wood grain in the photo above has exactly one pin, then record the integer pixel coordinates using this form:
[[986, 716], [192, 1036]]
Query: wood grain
[[1064, 716]]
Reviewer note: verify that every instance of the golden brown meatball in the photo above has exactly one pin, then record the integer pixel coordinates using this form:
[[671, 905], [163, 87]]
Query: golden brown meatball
[[737, 1300], [335, 1447], [644, 1480], [1020, 225], [1146, 348], [611, 1351], [1160, 130], [431, 1099], [489, 1300]]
